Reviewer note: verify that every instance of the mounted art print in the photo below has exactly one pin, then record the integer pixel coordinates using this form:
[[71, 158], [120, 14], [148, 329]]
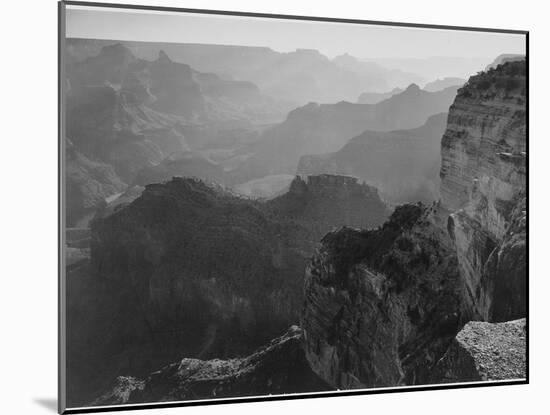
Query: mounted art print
[[260, 207]]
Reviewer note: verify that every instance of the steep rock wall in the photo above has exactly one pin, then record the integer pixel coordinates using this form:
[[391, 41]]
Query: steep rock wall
[[381, 306], [483, 170]]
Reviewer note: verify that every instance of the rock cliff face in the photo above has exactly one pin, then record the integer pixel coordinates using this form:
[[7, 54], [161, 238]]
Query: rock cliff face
[[483, 148], [276, 368], [483, 173], [503, 292], [382, 307], [187, 269]]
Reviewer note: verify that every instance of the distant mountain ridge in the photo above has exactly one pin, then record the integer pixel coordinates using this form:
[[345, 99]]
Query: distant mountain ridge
[[318, 129], [376, 97], [435, 67], [129, 114], [299, 77], [166, 85], [402, 164]]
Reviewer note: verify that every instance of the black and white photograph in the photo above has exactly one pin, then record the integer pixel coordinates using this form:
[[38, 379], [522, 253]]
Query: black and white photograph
[[270, 207]]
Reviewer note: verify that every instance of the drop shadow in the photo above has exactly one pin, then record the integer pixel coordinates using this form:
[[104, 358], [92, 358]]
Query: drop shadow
[[48, 403]]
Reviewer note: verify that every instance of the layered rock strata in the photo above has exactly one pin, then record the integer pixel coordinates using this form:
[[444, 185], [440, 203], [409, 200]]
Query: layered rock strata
[[483, 175], [383, 306]]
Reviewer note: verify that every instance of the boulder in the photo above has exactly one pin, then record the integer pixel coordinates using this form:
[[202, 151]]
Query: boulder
[[484, 351]]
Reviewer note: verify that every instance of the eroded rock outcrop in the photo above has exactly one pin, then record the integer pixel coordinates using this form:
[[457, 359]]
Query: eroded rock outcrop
[[328, 201], [383, 306], [276, 368], [485, 351]]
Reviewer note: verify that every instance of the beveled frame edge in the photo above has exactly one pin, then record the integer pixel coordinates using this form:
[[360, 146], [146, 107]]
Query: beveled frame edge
[[62, 289], [290, 17], [62, 409]]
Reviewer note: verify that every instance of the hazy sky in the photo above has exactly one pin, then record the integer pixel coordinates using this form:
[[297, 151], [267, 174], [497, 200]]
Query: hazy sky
[[331, 39]]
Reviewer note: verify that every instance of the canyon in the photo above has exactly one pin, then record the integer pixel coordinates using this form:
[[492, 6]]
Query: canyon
[[217, 247], [403, 164], [423, 298], [188, 268], [384, 306], [295, 77], [323, 128], [126, 116], [138, 120]]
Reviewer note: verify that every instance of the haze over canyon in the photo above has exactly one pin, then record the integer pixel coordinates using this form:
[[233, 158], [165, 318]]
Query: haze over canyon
[[242, 221]]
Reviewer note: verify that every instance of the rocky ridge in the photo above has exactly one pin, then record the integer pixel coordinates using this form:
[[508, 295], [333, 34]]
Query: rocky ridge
[[189, 269], [383, 306], [279, 367]]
